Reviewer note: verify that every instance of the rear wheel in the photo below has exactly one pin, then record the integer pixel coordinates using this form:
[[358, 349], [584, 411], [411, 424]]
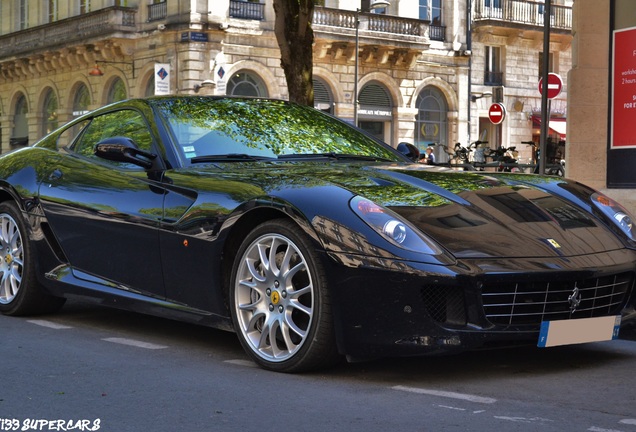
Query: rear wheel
[[20, 293], [280, 301]]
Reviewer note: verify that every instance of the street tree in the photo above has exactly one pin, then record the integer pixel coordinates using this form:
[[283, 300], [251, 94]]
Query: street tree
[[295, 38]]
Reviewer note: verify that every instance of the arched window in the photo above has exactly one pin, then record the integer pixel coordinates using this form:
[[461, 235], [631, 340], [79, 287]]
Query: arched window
[[20, 125], [246, 84], [81, 101], [150, 86], [375, 95], [431, 123], [375, 113], [117, 91], [49, 113], [323, 100]]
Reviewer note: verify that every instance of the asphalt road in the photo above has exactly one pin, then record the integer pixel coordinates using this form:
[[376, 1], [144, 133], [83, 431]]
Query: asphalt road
[[88, 368]]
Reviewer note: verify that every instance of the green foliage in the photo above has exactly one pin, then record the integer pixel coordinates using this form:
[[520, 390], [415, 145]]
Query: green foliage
[[261, 128]]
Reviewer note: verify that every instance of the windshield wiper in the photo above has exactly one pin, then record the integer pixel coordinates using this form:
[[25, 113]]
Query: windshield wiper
[[332, 155], [229, 157]]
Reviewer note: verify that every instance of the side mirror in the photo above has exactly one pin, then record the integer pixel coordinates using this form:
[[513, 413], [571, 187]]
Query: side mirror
[[122, 149], [409, 150]]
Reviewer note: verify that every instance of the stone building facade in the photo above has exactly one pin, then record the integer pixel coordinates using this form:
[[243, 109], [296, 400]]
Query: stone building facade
[[424, 70], [591, 156]]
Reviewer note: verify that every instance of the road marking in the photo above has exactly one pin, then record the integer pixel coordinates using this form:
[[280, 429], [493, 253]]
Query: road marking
[[598, 429], [241, 363], [452, 408], [49, 324], [523, 419], [135, 343], [446, 394]]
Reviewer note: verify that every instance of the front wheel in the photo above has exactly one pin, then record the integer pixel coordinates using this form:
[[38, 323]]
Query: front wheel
[[20, 292], [280, 302]]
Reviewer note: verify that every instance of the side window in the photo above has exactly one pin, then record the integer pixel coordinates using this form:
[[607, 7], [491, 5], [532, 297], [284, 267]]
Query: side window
[[68, 136], [125, 123]]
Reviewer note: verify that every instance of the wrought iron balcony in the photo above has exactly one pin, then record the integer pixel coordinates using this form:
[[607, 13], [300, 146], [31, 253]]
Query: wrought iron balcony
[[247, 10], [521, 13], [437, 32], [157, 11], [493, 78]]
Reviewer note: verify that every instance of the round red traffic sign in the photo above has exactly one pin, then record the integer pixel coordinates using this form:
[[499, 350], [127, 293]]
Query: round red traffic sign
[[497, 113], [555, 85]]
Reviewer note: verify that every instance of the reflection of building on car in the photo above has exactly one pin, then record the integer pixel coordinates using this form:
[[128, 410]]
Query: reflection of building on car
[[310, 239], [479, 157]]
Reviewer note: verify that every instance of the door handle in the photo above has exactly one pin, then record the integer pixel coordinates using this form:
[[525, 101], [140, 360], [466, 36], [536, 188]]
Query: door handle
[[55, 175]]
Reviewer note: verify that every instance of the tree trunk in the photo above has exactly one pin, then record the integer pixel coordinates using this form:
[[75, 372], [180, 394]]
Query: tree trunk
[[295, 39]]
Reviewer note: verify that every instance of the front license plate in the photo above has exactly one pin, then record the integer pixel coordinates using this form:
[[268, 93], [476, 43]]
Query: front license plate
[[575, 331]]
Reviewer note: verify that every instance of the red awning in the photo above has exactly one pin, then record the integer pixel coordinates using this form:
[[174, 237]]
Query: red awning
[[557, 125]]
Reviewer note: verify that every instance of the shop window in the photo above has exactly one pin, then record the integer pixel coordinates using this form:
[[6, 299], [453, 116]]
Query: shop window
[[432, 118], [376, 111]]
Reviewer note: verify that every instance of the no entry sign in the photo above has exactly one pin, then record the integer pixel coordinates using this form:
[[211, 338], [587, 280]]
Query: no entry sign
[[555, 85], [497, 113]]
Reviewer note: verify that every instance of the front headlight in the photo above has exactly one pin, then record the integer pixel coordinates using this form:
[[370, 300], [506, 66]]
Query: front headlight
[[391, 226], [616, 213]]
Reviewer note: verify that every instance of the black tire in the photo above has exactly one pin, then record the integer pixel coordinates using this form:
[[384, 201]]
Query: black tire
[[20, 292], [282, 312]]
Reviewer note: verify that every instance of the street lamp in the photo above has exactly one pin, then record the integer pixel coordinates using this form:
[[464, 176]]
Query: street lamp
[[474, 98], [206, 83], [366, 6], [97, 72]]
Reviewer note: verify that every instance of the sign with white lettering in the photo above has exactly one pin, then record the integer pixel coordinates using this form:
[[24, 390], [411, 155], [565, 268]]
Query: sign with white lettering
[[374, 112], [162, 79], [623, 109]]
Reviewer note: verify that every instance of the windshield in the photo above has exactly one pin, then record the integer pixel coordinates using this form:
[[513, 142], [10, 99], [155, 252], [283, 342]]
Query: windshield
[[262, 129]]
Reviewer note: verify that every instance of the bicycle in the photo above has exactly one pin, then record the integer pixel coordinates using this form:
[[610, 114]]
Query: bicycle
[[554, 168], [505, 158]]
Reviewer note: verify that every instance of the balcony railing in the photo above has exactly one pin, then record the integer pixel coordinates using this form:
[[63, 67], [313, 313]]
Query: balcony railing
[[493, 78], [376, 22], [66, 31], [247, 10], [157, 11], [437, 33], [523, 12]]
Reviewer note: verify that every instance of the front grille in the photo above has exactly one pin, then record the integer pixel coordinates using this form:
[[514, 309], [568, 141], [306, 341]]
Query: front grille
[[530, 303]]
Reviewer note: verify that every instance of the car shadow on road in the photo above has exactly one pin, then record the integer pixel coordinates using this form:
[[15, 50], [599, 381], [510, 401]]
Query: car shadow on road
[[491, 364], [467, 366]]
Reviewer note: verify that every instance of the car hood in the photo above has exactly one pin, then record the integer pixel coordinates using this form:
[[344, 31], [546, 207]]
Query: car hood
[[482, 215], [470, 214]]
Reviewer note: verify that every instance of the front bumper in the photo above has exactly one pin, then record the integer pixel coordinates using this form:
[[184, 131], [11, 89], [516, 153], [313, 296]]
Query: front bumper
[[396, 308]]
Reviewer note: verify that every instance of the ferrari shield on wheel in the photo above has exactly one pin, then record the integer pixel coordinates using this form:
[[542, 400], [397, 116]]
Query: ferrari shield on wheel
[[279, 300]]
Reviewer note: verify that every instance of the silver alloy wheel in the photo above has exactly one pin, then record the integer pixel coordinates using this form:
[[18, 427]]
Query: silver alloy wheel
[[274, 297], [11, 265]]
